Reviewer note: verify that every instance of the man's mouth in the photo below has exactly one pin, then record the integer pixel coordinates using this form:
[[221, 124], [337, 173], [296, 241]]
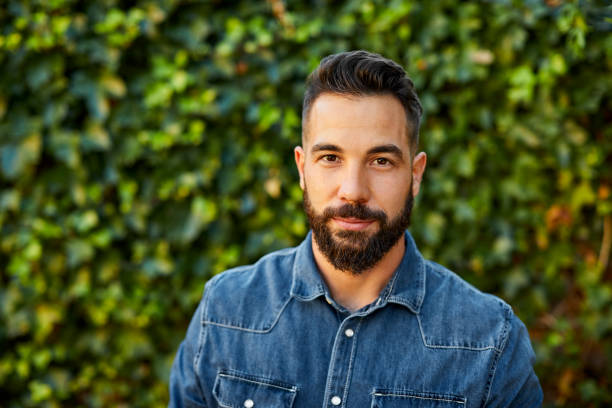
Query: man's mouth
[[352, 224]]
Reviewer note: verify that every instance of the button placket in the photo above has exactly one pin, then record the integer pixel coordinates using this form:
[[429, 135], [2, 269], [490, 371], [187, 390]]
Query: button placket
[[341, 363]]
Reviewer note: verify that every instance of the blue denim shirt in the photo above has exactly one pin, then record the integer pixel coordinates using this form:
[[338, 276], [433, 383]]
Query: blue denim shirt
[[270, 335]]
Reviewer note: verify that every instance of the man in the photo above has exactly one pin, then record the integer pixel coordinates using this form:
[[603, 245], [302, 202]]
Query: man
[[354, 316]]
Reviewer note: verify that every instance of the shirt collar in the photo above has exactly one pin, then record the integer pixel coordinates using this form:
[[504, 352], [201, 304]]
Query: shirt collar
[[307, 283], [406, 287]]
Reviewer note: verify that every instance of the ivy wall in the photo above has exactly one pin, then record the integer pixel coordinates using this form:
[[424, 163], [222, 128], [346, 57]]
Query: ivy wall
[[146, 145]]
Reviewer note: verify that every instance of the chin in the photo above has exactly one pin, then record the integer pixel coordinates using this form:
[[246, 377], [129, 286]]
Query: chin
[[354, 239]]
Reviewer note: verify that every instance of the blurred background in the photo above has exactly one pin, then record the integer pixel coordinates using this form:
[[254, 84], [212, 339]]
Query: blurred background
[[146, 145]]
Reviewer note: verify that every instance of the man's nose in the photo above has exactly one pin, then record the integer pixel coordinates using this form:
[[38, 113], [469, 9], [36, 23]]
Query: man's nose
[[354, 185]]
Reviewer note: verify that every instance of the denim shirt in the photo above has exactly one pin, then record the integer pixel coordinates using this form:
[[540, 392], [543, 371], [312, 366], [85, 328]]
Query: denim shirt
[[270, 335]]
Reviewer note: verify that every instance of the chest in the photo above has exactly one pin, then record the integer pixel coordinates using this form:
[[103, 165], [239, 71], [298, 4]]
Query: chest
[[319, 358]]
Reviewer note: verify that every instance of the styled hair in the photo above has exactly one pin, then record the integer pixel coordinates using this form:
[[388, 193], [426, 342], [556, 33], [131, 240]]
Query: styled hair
[[362, 73]]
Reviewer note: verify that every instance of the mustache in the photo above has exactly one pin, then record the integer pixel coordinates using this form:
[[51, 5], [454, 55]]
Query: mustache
[[358, 211]]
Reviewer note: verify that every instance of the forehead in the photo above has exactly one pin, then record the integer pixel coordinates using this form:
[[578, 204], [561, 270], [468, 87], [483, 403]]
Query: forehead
[[349, 119]]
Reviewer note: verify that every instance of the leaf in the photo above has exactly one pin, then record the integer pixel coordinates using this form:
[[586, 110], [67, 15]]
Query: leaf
[[15, 159], [78, 252]]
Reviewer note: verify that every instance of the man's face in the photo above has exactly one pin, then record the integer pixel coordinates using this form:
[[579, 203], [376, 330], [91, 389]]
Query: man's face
[[358, 177]]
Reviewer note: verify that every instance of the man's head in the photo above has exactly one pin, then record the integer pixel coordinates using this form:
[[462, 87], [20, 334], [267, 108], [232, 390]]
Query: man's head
[[362, 73], [357, 165]]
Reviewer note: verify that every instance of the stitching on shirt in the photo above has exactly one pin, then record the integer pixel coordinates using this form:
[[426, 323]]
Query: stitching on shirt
[[298, 269], [414, 306], [235, 375], [319, 292], [350, 366], [332, 359], [328, 385], [205, 298], [463, 401], [392, 286], [246, 329], [198, 354], [503, 340], [423, 287], [402, 301], [251, 380], [483, 348]]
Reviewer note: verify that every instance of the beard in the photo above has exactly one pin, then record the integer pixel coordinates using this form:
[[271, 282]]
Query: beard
[[357, 251]]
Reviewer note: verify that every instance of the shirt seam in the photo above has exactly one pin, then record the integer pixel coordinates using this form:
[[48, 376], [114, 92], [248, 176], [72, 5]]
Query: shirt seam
[[415, 302], [197, 357], [328, 384], [319, 292], [505, 334], [350, 367], [378, 394], [264, 381], [439, 346], [246, 329]]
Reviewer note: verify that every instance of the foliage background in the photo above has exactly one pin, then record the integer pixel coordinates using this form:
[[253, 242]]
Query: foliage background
[[146, 145]]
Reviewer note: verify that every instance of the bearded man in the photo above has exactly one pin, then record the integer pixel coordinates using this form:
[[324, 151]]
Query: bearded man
[[354, 316]]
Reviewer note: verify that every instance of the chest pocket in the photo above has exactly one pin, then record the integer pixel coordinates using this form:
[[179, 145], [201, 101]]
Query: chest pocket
[[238, 391], [411, 399]]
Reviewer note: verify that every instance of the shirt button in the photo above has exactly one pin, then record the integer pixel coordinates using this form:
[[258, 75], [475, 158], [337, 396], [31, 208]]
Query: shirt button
[[336, 400], [349, 332], [249, 403]]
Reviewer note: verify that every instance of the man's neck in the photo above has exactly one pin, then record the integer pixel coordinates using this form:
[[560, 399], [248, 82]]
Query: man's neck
[[356, 291]]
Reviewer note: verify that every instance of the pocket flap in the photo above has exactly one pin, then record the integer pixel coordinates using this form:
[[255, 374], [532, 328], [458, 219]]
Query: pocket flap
[[405, 399], [233, 391]]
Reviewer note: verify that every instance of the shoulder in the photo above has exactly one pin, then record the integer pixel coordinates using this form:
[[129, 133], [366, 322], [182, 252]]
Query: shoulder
[[267, 273], [456, 314], [249, 297]]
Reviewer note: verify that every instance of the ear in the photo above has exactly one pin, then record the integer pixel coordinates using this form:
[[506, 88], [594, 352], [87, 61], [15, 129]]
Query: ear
[[300, 158], [418, 168]]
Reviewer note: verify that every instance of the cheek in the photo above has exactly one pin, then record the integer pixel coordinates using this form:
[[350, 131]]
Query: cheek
[[391, 193], [320, 183], [320, 196]]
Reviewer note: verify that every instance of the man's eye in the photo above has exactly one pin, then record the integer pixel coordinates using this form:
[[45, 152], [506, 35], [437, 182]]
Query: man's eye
[[330, 158], [381, 161]]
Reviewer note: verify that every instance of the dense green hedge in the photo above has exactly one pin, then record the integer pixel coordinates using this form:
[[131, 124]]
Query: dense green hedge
[[146, 145]]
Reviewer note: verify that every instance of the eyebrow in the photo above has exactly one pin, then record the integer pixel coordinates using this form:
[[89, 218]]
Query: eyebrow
[[325, 147], [388, 148]]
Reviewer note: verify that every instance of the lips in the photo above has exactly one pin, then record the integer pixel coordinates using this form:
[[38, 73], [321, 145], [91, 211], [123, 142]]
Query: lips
[[352, 224]]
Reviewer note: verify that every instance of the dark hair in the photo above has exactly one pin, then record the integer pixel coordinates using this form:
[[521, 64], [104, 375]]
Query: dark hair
[[363, 73]]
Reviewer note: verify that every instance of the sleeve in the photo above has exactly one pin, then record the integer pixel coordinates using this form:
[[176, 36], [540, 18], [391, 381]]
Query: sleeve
[[185, 388], [513, 381]]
